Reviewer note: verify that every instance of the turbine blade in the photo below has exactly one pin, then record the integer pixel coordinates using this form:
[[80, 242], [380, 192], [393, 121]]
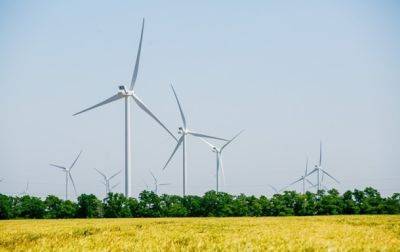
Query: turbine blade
[[111, 99], [209, 144], [144, 107], [73, 183], [309, 182], [76, 159], [320, 153], [206, 136], [115, 185], [154, 177], [295, 182], [230, 141], [115, 174], [180, 107], [305, 174], [102, 174], [337, 181], [136, 69], [273, 188], [58, 166], [311, 173], [176, 148], [162, 184]]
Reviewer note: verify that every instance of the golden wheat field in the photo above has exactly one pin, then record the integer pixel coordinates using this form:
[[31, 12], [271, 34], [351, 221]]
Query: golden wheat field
[[333, 233]]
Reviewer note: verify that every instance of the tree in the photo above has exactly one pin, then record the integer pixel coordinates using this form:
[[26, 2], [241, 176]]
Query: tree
[[6, 209], [217, 204], [149, 204], [68, 209], [116, 205], [30, 207], [53, 207], [89, 206], [171, 206], [193, 206]]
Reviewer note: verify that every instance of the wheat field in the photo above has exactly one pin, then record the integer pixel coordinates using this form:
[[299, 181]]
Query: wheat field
[[333, 233]]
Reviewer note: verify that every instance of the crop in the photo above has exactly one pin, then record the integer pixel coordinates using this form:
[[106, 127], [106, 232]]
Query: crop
[[332, 233]]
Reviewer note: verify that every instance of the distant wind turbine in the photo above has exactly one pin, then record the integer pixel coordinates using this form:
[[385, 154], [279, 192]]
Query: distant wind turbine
[[303, 179], [125, 94], [318, 169], [107, 179], [218, 155], [184, 131], [157, 184], [68, 175], [25, 191]]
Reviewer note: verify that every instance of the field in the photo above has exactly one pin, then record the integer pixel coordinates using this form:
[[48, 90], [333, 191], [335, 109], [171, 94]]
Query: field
[[204, 234]]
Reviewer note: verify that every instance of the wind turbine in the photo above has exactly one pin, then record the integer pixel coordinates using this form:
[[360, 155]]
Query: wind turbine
[[303, 179], [184, 131], [318, 169], [218, 155], [125, 93], [68, 175], [156, 184], [107, 179], [25, 192]]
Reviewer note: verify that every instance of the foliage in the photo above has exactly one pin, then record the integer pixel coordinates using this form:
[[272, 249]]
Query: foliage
[[213, 204]]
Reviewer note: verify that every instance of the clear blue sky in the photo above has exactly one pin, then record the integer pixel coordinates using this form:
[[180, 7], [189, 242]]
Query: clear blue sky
[[290, 73]]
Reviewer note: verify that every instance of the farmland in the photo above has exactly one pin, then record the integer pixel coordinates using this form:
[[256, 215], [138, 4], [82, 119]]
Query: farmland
[[370, 232]]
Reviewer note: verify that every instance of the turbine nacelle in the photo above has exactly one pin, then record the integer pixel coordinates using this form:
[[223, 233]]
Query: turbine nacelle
[[181, 131], [124, 92]]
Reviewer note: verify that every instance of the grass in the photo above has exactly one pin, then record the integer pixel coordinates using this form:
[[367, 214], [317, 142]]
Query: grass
[[333, 233]]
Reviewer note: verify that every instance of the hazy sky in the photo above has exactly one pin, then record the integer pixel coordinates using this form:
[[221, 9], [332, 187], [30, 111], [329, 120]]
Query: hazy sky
[[289, 73]]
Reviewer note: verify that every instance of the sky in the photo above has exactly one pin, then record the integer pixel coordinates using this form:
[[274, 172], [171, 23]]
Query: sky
[[291, 73]]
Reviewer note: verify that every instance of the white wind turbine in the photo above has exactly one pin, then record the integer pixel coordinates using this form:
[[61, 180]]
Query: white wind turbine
[[156, 184], [25, 191], [318, 169], [303, 179], [184, 131], [107, 179], [68, 175], [123, 93], [218, 155]]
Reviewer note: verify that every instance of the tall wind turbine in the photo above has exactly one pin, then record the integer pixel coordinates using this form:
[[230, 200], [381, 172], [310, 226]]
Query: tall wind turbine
[[107, 179], [68, 175], [184, 131], [218, 155], [125, 93], [318, 169], [157, 184], [303, 179]]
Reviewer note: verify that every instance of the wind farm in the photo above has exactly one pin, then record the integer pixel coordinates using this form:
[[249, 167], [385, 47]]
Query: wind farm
[[199, 126]]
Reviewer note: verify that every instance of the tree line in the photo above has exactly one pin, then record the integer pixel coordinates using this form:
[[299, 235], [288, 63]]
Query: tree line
[[149, 204]]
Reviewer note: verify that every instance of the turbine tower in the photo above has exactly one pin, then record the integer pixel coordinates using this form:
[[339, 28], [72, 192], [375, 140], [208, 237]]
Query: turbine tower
[[156, 184], [68, 175], [218, 155], [107, 179], [184, 131], [318, 169], [125, 93]]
